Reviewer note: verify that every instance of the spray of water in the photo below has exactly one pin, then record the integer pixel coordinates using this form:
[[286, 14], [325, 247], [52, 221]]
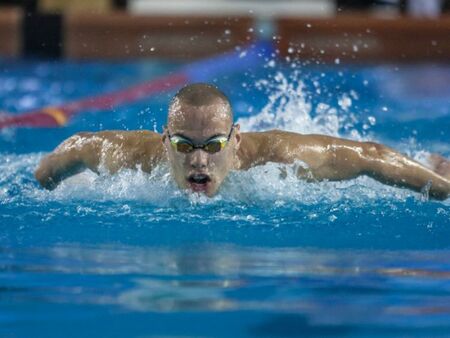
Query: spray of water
[[289, 108]]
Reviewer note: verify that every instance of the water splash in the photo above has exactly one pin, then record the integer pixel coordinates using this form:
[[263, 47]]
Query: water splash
[[272, 185], [290, 108]]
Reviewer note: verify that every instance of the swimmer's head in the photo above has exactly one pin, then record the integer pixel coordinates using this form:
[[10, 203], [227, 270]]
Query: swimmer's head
[[200, 138]]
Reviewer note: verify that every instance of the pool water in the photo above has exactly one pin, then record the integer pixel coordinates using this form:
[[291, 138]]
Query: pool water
[[132, 256]]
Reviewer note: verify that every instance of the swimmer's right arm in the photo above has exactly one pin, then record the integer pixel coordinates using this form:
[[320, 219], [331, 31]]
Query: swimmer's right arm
[[110, 150], [74, 155]]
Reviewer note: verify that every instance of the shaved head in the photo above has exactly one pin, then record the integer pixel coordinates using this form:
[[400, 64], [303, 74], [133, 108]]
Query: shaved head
[[189, 100], [200, 114]]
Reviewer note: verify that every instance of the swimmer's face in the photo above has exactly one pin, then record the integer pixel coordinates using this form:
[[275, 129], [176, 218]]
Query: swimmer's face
[[200, 170]]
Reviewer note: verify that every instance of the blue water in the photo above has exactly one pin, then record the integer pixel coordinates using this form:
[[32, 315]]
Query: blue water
[[132, 256]]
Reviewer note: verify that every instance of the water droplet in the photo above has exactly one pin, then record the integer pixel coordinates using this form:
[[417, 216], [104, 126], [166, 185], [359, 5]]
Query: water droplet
[[332, 218]]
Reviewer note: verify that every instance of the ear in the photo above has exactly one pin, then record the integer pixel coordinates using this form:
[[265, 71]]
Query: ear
[[237, 133], [164, 135]]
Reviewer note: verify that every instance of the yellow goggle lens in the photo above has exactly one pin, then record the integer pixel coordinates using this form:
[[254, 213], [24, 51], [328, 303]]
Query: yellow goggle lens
[[184, 146], [215, 146]]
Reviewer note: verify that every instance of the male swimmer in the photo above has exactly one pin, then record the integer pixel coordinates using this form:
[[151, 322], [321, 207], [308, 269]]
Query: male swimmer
[[202, 145]]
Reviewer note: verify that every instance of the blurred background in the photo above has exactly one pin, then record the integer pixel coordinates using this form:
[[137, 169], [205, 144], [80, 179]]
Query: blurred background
[[186, 29], [131, 256]]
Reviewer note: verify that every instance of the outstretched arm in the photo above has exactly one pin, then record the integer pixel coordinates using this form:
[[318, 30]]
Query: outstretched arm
[[337, 159], [110, 150], [71, 157], [390, 167]]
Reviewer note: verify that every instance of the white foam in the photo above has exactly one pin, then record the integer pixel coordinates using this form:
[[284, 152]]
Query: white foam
[[259, 185]]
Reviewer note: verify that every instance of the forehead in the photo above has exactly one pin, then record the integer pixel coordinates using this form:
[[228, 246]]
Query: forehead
[[200, 121]]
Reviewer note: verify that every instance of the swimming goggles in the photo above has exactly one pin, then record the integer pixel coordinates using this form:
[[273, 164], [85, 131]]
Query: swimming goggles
[[211, 146]]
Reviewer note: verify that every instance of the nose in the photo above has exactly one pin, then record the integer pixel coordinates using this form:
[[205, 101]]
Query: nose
[[198, 159]]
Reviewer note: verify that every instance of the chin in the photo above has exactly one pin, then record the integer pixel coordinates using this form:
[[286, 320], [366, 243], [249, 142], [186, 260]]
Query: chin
[[208, 189], [211, 193]]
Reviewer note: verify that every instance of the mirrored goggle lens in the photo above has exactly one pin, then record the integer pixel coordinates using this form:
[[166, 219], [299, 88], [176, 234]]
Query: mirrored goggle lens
[[215, 146], [182, 147]]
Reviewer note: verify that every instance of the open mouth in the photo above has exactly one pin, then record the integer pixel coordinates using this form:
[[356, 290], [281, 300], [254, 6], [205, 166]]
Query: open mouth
[[199, 182]]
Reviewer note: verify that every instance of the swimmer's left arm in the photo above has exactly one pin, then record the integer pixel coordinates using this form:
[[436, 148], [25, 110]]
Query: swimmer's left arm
[[338, 159], [391, 167]]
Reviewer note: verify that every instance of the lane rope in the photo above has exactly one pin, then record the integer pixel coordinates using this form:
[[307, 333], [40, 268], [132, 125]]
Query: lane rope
[[199, 71]]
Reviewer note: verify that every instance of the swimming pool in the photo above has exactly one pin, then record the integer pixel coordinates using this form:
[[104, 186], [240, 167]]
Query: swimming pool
[[131, 255]]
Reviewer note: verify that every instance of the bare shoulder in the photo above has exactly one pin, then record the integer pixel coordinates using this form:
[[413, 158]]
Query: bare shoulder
[[286, 147], [277, 141], [287, 137], [121, 137], [131, 148], [118, 148], [268, 146], [287, 140]]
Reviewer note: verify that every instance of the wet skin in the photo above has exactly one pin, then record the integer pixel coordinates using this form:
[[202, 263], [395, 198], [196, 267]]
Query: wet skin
[[325, 157]]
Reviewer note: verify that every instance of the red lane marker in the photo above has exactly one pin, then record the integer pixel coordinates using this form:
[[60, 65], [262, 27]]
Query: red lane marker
[[33, 119], [60, 115]]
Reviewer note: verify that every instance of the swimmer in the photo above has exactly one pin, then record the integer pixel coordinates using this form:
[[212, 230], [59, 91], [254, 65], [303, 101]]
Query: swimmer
[[201, 145]]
